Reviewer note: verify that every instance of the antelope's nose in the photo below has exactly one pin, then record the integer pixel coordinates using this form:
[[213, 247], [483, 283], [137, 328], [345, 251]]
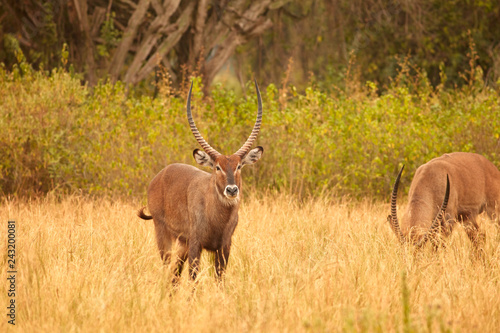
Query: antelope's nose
[[232, 190]]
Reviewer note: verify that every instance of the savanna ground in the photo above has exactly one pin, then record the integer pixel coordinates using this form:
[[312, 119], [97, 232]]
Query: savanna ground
[[320, 265]]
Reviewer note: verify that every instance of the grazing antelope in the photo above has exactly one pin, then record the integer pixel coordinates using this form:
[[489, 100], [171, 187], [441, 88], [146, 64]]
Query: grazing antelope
[[472, 186], [196, 210]]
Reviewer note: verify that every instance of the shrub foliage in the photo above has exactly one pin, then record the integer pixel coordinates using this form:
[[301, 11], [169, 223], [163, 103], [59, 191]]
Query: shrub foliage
[[58, 135]]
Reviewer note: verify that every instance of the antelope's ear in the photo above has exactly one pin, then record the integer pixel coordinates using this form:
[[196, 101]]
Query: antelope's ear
[[203, 158], [253, 156]]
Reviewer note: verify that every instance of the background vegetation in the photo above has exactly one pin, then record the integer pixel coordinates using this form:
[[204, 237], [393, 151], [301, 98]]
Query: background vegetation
[[58, 135], [92, 92]]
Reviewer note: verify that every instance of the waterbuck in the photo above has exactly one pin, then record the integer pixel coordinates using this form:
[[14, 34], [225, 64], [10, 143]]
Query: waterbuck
[[193, 209], [472, 186]]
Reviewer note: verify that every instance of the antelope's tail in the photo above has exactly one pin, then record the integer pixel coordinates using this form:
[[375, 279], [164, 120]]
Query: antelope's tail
[[142, 215]]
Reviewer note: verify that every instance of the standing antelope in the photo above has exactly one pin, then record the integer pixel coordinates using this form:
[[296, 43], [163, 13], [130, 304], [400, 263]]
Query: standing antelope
[[472, 186], [198, 210]]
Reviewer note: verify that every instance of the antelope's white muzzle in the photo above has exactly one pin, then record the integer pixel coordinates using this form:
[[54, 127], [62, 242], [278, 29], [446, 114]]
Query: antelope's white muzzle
[[231, 191]]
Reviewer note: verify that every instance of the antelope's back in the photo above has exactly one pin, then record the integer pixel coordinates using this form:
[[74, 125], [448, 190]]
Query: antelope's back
[[168, 191], [472, 179]]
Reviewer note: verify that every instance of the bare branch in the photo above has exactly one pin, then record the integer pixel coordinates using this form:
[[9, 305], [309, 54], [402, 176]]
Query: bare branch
[[157, 7], [128, 38], [241, 25], [96, 20], [158, 28], [226, 49], [201, 16], [137, 73], [81, 9]]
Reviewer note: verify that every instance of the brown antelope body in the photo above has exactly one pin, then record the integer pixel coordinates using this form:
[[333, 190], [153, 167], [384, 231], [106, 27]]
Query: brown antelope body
[[473, 187], [193, 209]]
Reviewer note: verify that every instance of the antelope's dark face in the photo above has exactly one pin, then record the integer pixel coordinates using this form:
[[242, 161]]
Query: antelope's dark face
[[226, 170]]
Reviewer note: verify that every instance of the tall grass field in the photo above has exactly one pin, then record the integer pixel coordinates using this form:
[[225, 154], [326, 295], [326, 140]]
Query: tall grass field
[[321, 265]]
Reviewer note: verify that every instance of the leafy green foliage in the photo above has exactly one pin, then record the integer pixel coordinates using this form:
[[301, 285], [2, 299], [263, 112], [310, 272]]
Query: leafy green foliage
[[110, 34], [58, 135]]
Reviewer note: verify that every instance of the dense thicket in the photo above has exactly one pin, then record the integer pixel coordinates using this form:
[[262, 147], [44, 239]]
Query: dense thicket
[[58, 135], [321, 37], [128, 40]]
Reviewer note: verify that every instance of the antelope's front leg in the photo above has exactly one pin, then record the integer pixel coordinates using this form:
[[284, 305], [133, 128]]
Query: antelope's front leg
[[221, 259], [194, 259]]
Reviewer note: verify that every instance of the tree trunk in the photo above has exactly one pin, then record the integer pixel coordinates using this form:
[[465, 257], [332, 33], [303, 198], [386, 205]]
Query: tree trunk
[[128, 38], [87, 45]]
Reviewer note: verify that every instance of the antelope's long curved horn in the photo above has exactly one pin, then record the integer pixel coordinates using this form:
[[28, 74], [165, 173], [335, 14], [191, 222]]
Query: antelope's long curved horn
[[256, 128], [393, 218], [206, 147], [439, 217]]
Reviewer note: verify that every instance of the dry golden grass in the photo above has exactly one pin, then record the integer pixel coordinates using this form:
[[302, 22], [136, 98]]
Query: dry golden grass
[[323, 265]]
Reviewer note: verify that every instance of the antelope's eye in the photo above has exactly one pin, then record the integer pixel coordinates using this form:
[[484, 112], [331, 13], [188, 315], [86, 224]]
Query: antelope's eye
[[239, 167], [217, 168]]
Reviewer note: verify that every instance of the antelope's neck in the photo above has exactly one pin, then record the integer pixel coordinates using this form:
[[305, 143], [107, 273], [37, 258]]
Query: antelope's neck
[[418, 217]]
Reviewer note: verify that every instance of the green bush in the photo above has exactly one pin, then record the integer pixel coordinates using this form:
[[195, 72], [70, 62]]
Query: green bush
[[58, 135]]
